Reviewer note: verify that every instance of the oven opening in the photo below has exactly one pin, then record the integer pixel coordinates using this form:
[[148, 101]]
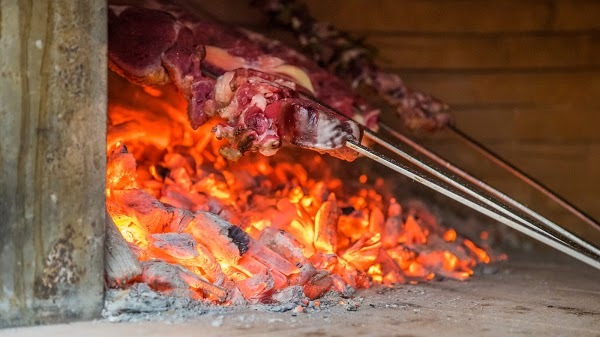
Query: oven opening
[[160, 166]]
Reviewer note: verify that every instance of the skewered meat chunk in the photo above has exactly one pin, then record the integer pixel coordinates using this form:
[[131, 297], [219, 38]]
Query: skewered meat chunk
[[260, 113], [259, 109], [351, 58]]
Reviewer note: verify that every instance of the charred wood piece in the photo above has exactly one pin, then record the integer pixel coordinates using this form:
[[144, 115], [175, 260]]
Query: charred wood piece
[[121, 265]]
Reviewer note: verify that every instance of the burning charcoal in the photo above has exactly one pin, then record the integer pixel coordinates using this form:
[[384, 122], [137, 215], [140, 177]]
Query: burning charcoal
[[352, 226], [159, 172], [144, 208], [196, 282], [272, 259], [207, 264], [347, 210], [376, 221], [307, 271], [391, 232], [319, 284], [302, 229], [283, 244], [258, 288], [392, 226], [148, 129], [291, 294], [251, 267], [164, 276], [120, 169], [236, 297], [390, 270], [286, 212], [364, 252], [420, 212], [341, 287], [177, 245], [445, 264], [239, 237], [412, 232], [177, 196], [181, 176], [180, 220], [324, 261], [481, 255], [120, 263], [214, 233], [326, 226], [288, 228]]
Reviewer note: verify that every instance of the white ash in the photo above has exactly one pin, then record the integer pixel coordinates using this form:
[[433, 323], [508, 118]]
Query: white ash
[[140, 303]]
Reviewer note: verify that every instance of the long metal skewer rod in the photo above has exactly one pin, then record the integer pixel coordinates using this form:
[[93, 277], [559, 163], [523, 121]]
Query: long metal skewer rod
[[372, 136], [506, 199], [380, 158], [503, 163]]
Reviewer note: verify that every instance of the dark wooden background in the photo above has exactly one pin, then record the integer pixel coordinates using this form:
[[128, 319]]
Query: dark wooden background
[[523, 77]]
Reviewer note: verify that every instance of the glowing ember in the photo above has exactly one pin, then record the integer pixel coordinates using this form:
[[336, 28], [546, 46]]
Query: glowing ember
[[245, 231]]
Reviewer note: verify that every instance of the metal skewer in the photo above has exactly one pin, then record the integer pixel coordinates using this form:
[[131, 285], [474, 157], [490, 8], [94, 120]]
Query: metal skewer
[[497, 194], [380, 158], [515, 171], [509, 216], [453, 182]]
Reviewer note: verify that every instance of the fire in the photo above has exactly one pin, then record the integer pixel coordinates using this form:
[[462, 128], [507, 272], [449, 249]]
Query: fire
[[248, 230]]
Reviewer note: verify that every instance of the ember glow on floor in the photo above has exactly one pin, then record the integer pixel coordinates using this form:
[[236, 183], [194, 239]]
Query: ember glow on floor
[[541, 294]]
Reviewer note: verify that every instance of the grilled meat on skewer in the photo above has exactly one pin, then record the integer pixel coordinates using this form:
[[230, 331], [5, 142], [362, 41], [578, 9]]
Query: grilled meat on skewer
[[351, 58], [260, 108]]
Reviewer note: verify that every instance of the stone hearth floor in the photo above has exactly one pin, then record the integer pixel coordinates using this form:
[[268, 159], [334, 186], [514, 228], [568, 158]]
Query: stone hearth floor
[[541, 295]]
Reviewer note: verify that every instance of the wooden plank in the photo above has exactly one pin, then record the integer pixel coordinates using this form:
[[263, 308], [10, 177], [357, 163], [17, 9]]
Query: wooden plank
[[426, 16], [237, 12], [52, 160], [552, 124], [550, 160], [495, 51], [434, 16], [572, 170], [576, 15], [569, 88]]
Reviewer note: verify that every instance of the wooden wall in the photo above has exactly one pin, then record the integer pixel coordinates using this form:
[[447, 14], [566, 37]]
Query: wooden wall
[[523, 77], [52, 160]]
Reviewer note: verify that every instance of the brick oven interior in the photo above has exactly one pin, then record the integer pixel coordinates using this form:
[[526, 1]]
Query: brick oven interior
[[521, 77]]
